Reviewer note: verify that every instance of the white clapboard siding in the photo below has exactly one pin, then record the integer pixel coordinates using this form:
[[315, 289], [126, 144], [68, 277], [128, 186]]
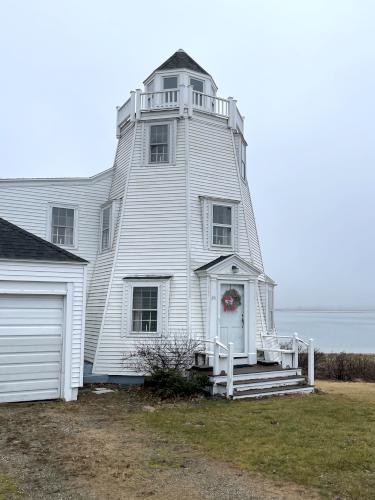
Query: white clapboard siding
[[27, 203], [31, 340], [98, 286], [152, 240]]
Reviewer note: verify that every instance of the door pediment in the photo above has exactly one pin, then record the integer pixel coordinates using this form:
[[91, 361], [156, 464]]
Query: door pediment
[[232, 265]]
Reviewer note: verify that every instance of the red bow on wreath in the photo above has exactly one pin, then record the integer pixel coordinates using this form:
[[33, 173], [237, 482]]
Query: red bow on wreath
[[231, 300]]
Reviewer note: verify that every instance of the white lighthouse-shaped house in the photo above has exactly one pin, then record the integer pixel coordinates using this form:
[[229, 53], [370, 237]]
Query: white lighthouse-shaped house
[[181, 255]]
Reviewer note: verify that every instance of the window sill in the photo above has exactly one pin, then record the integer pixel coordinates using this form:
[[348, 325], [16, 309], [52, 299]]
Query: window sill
[[105, 250], [139, 335], [171, 164], [66, 247], [222, 247]]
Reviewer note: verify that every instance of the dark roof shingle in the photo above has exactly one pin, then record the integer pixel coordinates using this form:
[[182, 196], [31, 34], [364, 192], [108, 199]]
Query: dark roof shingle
[[181, 60], [18, 244], [213, 262]]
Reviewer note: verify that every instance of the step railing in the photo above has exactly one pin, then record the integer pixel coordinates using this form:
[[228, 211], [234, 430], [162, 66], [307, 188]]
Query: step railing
[[229, 354], [295, 341]]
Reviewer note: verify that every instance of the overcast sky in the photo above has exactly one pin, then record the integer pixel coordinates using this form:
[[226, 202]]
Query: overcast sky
[[303, 73]]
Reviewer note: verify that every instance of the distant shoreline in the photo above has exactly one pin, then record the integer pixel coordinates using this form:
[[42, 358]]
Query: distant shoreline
[[322, 310]]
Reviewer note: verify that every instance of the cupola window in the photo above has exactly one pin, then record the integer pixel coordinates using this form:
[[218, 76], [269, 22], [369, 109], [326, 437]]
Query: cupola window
[[170, 82], [197, 85]]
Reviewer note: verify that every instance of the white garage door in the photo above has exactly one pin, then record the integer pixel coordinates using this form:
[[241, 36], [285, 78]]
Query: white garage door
[[31, 335]]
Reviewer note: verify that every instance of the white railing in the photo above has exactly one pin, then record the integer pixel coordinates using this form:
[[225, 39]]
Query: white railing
[[123, 112], [183, 98], [229, 354], [216, 354], [159, 100], [239, 120], [293, 352], [211, 104]]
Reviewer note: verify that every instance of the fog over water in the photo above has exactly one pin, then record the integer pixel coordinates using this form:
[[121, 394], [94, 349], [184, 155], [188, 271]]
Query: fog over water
[[303, 74], [332, 331]]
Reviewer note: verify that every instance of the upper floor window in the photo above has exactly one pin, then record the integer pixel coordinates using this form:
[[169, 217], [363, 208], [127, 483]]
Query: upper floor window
[[169, 82], [62, 226], [197, 85], [145, 309], [106, 216], [159, 144], [222, 225]]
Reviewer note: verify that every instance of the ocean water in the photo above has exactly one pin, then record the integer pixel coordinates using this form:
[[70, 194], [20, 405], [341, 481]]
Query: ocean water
[[332, 331]]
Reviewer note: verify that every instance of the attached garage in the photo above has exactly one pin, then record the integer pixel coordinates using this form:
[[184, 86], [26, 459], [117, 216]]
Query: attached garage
[[42, 307]]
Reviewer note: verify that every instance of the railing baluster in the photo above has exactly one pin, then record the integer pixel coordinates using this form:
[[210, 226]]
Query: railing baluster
[[216, 367], [295, 350], [310, 361], [230, 369]]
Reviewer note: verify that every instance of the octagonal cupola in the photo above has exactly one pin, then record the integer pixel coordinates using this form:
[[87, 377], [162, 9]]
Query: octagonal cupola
[[180, 69]]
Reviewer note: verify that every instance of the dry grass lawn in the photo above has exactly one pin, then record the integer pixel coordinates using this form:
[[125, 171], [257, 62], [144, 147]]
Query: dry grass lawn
[[108, 447]]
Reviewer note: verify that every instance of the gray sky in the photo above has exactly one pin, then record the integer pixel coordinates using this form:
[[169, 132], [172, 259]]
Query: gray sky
[[303, 73]]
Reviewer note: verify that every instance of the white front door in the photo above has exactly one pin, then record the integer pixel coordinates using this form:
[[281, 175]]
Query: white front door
[[232, 316]]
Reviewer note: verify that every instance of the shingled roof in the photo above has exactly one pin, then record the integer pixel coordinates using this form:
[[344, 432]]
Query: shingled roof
[[181, 60], [214, 262], [18, 244]]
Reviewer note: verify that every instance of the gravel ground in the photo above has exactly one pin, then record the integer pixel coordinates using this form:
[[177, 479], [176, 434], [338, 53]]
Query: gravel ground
[[94, 449]]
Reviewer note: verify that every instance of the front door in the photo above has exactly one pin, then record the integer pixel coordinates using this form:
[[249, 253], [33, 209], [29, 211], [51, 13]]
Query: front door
[[232, 316]]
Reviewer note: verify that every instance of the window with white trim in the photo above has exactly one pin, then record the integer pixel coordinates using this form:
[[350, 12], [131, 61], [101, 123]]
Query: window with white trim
[[145, 309], [159, 144], [63, 226], [106, 227], [198, 85], [271, 321], [170, 82], [222, 225], [145, 306]]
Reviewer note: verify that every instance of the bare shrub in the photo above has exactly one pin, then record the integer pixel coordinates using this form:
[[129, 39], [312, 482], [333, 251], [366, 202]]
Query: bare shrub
[[167, 363], [164, 353], [303, 358], [348, 366]]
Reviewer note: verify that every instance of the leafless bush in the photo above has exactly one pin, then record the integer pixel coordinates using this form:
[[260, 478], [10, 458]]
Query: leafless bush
[[303, 358], [348, 366], [164, 353]]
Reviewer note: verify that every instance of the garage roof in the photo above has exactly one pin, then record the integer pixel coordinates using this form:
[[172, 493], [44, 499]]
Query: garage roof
[[18, 244]]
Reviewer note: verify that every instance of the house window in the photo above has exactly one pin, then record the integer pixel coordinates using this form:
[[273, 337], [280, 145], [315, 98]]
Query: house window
[[63, 226], [159, 144], [170, 82], [145, 309], [222, 225], [243, 160], [106, 216], [197, 85]]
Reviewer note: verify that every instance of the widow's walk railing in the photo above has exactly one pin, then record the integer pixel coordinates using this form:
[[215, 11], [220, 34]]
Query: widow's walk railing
[[185, 100]]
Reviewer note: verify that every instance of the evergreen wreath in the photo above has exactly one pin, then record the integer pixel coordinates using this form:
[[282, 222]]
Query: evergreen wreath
[[231, 300]]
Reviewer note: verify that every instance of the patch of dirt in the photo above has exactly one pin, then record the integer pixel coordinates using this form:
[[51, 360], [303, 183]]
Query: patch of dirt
[[94, 449]]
